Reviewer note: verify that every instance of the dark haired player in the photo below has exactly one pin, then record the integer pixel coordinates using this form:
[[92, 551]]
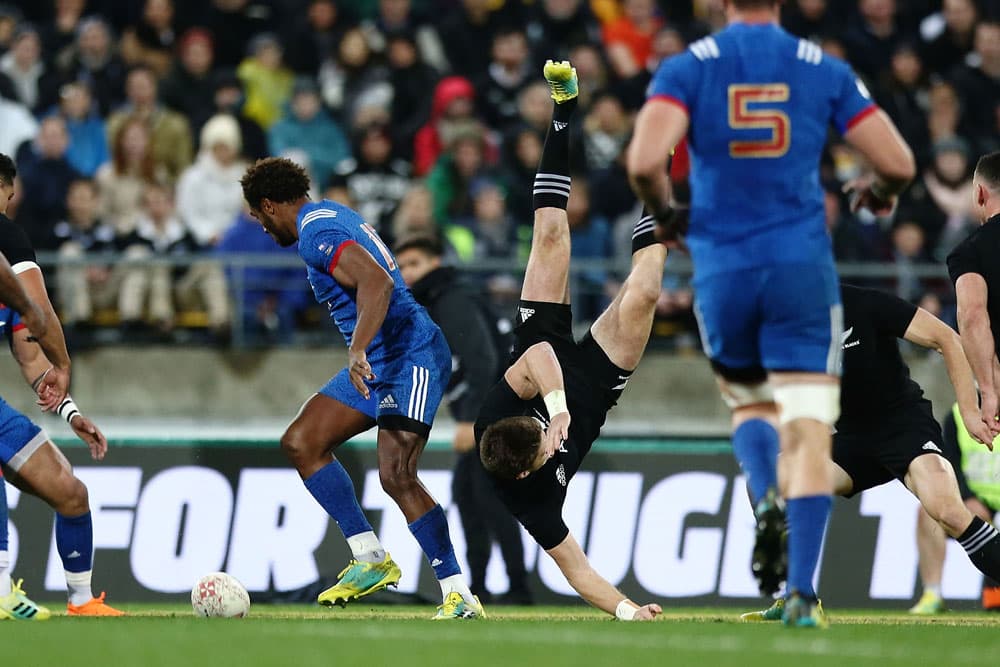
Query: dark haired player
[[398, 368], [538, 423], [30, 460], [886, 428], [755, 104]]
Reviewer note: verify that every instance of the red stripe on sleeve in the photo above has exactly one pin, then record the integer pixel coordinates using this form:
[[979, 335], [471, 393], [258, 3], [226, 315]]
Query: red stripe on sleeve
[[669, 99], [336, 255], [861, 115], [19, 326]]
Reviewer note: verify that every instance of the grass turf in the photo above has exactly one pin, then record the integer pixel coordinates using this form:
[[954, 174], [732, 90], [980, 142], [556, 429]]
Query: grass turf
[[403, 636]]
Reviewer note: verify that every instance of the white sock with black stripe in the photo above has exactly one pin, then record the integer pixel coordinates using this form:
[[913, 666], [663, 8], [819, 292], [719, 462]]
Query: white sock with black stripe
[[982, 542]]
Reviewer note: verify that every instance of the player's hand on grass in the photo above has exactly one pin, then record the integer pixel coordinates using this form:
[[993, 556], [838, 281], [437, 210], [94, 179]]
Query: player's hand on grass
[[647, 612], [861, 196], [360, 371], [557, 433], [88, 432], [52, 389]]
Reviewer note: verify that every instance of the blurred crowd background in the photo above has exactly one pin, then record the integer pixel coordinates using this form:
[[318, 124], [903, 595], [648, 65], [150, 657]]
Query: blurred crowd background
[[131, 123]]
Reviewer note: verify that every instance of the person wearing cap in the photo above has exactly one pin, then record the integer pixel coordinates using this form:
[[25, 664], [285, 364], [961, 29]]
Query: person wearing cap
[[209, 197], [307, 127], [266, 80]]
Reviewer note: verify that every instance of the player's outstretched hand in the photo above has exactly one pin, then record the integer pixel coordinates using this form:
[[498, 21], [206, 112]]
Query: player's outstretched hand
[[557, 433], [989, 406], [52, 389], [647, 612], [360, 371], [861, 196], [978, 429], [87, 431]]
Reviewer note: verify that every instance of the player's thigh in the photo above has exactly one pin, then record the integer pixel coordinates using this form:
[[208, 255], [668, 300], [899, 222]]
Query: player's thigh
[[330, 417], [801, 319], [48, 475], [726, 309], [854, 467], [546, 278], [411, 384]]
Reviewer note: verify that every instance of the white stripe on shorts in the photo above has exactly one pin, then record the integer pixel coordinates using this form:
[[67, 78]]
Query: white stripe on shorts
[[25, 453]]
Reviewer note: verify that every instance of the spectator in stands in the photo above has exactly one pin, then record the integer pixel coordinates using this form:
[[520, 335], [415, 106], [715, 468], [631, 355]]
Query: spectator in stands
[[456, 169], [266, 80], [493, 231], [59, 34], [631, 91], [415, 214], [452, 108], [908, 250], [811, 19], [945, 111], [903, 96], [398, 16], [591, 71], [853, 241], [410, 79], [88, 144], [92, 58], [271, 297], [376, 180], [351, 78], [606, 132], [314, 34], [233, 24], [82, 289], [228, 98], [172, 145], [189, 88], [590, 239], [23, 65], [949, 36], [17, 126], [535, 106], [10, 18], [122, 181], [45, 175], [941, 200], [464, 32], [872, 37], [555, 26], [200, 285], [978, 84], [151, 41], [209, 197], [522, 151], [307, 127], [508, 73], [629, 38]]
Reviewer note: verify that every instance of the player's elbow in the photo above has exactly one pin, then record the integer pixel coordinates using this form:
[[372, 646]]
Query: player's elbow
[[644, 166]]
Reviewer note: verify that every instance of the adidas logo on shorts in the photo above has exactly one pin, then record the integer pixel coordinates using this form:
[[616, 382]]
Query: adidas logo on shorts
[[931, 447], [526, 313], [388, 402]]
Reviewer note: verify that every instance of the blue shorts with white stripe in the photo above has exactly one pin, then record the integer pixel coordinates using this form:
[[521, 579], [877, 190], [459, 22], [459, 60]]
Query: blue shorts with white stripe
[[407, 385]]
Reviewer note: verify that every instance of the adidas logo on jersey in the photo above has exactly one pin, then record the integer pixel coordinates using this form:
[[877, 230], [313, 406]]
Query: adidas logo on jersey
[[526, 313], [559, 125], [388, 402], [931, 447]]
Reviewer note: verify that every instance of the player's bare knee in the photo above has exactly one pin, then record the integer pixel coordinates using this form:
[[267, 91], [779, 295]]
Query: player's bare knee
[[296, 447], [396, 477], [72, 498]]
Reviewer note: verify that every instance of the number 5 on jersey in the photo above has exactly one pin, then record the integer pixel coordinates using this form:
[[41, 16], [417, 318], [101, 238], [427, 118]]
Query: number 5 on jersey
[[743, 117], [377, 240]]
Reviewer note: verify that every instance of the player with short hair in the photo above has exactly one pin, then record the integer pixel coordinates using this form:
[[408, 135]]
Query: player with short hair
[[30, 460], [755, 104], [398, 368], [887, 429], [538, 423]]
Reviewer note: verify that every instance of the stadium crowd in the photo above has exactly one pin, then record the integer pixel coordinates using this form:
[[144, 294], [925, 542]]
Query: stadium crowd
[[132, 122]]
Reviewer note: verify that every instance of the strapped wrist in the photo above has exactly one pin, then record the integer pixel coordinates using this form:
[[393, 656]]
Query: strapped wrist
[[68, 409], [555, 402], [626, 610]]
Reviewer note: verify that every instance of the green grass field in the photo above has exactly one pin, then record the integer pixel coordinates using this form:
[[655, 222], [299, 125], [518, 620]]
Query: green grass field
[[550, 636]]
